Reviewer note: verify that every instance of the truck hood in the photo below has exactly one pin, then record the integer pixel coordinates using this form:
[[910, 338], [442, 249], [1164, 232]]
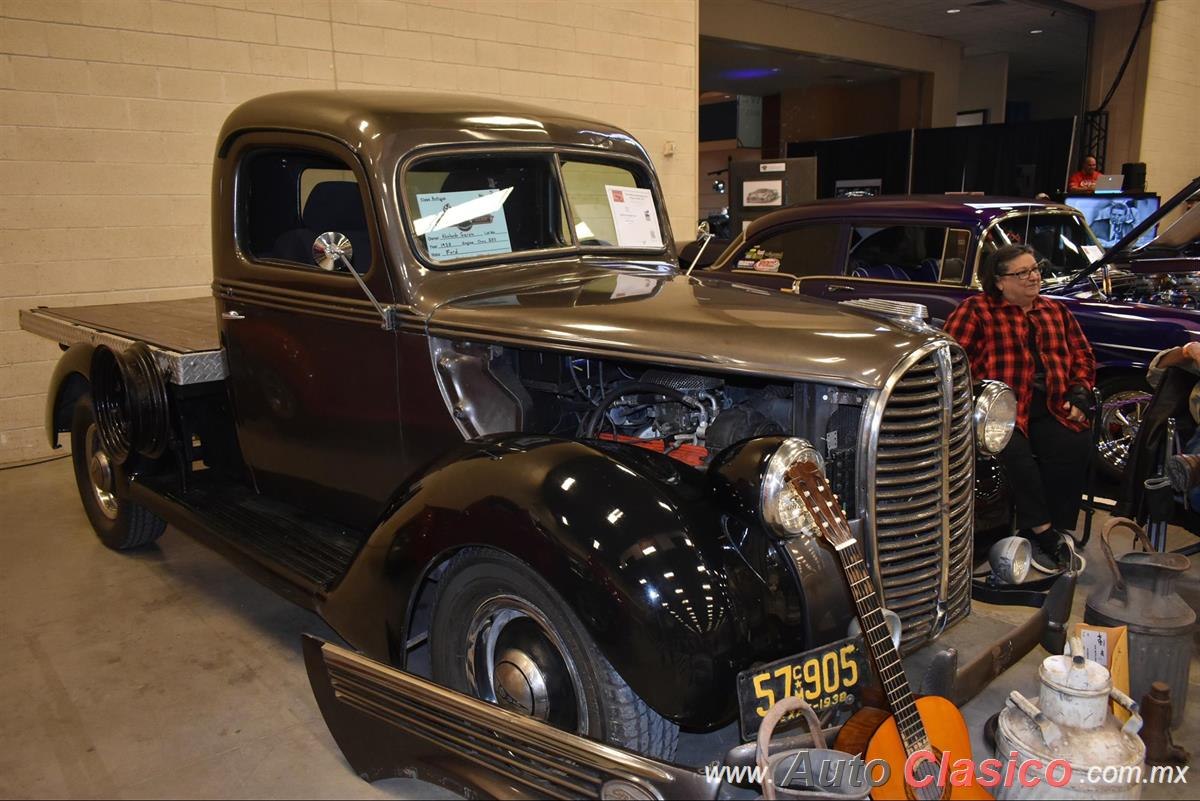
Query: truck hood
[[688, 321]]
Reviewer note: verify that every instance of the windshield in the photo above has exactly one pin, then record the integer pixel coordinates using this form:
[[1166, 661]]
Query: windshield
[[1062, 243], [468, 207]]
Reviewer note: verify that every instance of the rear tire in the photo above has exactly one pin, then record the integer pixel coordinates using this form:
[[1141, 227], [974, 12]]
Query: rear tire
[[119, 523], [500, 633]]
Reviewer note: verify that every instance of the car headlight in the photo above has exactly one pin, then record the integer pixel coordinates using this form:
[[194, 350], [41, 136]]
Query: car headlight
[[995, 416], [782, 509]]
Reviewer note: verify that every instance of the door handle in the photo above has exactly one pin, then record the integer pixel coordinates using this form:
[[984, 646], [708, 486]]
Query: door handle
[[232, 315], [838, 288]]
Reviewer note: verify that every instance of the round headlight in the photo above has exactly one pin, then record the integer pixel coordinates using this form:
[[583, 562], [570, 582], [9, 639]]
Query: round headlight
[[995, 416], [782, 509]]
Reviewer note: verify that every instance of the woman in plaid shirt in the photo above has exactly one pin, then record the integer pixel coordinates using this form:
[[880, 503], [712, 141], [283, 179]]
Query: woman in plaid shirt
[[1033, 343]]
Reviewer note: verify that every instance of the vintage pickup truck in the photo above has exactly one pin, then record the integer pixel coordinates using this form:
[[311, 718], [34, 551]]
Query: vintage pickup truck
[[452, 392]]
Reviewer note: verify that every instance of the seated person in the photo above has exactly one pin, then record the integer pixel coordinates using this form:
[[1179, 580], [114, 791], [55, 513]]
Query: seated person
[[1012, 333], [1184, 469], [1085, 179]]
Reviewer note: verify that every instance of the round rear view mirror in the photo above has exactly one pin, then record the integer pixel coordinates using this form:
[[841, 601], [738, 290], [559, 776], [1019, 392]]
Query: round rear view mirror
[[329, 247]]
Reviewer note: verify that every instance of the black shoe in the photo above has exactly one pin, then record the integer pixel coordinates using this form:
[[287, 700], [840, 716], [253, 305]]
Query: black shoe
[[1048, 553], [1183, 471]]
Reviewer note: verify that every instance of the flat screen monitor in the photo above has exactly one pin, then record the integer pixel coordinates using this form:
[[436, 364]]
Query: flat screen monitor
[[1113, 216]]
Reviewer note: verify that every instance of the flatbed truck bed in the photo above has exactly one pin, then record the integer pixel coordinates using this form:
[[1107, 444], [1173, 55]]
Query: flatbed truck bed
[[182, 334]]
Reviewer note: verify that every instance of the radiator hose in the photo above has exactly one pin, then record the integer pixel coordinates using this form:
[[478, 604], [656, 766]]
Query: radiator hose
[[130, 399]]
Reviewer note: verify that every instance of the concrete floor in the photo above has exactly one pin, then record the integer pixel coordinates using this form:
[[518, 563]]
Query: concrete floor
[[167, 673]]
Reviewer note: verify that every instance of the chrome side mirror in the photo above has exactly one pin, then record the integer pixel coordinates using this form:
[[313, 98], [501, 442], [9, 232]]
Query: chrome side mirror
[[329, 248], [702, 232]]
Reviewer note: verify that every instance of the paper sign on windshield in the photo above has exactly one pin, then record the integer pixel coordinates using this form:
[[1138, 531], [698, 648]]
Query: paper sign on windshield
[[634, 216], [459, 225]]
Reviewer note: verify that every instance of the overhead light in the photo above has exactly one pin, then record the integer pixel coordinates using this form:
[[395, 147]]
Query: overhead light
[[953, 10], [1036, 30]]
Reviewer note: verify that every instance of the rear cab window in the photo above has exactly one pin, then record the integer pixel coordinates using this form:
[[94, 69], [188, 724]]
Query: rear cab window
[[466, 208], [908, 252]]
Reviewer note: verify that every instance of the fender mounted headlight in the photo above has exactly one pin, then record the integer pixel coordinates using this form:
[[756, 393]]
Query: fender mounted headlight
[[995, 416], [781, 508]]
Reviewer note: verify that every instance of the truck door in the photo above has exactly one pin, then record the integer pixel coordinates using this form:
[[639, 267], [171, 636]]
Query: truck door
[[313, 375]]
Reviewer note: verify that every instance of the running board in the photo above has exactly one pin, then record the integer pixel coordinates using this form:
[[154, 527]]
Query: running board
[[297, 555], [391, 724]]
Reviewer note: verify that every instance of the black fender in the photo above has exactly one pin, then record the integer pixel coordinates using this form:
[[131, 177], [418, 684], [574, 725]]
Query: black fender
[[633, 541], [71, 378]]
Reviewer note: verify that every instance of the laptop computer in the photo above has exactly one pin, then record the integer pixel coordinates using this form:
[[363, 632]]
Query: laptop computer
[[1109, 183]]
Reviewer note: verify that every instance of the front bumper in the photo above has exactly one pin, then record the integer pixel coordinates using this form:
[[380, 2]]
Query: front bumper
[[390, 724]]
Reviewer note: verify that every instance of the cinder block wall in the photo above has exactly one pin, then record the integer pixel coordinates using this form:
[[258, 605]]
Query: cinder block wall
[[1171, 115], [109, 111]]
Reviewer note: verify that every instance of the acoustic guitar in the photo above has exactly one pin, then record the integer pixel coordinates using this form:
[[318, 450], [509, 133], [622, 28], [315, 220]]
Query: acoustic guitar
[[930, 724]]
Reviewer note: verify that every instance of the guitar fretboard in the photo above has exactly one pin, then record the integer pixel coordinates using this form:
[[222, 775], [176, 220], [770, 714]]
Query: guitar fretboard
[[883, 652]]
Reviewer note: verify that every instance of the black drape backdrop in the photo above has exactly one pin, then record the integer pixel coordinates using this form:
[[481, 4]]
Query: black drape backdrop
[[1018, 159], [883, 156]]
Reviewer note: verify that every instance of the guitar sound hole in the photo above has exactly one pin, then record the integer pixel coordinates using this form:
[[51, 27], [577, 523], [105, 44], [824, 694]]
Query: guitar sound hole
[[928, 768]]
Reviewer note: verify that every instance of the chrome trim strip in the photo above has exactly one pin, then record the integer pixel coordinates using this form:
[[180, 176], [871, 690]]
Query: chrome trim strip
[[946, 374], [357, 310], [1122, 347]]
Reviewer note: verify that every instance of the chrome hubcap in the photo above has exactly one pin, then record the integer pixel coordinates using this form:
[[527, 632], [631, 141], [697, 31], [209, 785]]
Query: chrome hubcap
[[1119, 422], [515, 659], [100, 473]]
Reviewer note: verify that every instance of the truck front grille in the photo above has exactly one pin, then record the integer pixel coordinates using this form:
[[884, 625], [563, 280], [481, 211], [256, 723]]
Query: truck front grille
[[923, 488]]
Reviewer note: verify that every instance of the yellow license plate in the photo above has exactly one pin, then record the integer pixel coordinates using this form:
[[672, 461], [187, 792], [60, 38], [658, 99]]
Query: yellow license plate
[[826, 677]]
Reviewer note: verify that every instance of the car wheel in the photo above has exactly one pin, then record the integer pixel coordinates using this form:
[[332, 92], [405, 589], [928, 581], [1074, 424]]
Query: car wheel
[[1124, 399], [119, 523], [500, 633]]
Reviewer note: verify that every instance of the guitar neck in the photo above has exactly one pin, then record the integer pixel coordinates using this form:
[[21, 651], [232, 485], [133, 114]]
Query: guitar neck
[[878, 639]]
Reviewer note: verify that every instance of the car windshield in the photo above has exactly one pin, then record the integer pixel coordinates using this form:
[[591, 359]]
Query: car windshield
[[1062, 243], [470, 207]]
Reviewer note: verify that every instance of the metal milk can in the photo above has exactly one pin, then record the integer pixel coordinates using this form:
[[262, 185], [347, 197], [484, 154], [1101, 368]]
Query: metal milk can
[[1142, 598], [1072, 722]]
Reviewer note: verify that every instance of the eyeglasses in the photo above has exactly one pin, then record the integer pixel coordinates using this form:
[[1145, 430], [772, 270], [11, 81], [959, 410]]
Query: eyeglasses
[[1022, 275]]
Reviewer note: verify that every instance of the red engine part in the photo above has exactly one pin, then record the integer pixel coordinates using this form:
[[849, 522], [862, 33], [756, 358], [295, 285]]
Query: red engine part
[[693, 455]]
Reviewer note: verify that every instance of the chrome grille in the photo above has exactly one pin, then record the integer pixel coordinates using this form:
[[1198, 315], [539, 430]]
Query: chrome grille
[[923, 488]]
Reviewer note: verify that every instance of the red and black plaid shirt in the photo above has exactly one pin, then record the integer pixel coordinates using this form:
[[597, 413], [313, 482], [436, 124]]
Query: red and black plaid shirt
[[995, 335]]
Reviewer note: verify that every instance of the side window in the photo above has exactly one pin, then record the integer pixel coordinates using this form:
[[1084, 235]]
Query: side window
[[954, 260], [898, 252], [801, 251], [288, 198]]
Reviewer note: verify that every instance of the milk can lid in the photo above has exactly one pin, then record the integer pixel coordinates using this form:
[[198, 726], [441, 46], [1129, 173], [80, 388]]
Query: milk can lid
[[1076, 674]]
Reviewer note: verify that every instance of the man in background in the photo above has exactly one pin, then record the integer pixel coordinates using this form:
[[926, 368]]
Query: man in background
[[1085, 179]]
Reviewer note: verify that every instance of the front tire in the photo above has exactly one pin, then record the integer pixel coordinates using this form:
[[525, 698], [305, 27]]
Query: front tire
[[499, 633], [119, 523]]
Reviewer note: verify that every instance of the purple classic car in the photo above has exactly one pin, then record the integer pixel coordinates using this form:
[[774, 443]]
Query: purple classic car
[[927, 250]]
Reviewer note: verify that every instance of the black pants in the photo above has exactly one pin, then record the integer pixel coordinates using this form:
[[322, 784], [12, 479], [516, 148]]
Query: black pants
[[1048, 488]]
